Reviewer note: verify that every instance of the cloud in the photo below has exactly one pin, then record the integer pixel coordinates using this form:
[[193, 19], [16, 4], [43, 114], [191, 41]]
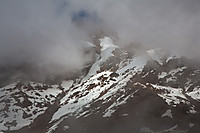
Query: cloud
[[49, 31], [171, 25], [30, 30]]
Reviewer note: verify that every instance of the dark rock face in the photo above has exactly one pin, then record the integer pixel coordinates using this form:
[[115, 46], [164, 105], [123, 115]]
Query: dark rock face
[[119, 92]]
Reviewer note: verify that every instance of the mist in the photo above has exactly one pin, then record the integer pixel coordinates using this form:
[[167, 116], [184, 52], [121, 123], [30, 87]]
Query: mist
[[51, 32], [173, 25], [38, 29]]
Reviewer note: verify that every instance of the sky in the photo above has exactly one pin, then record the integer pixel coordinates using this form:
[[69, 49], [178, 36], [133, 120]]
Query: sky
[[49, 31]]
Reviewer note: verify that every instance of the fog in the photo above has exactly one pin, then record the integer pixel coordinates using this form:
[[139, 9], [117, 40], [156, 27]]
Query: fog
[[39, 32], [50, 32], [172, 24]]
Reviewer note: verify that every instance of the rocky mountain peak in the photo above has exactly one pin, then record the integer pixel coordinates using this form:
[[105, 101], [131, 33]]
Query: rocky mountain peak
[[148, 92]]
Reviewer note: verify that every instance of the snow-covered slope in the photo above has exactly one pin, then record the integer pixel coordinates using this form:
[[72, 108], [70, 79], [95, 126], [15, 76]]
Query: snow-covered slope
[[21, 103], [144, 93]]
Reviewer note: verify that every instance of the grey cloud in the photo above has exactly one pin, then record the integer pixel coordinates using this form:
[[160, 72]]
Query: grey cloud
[[39, 31], [32, 30], [171, 24]]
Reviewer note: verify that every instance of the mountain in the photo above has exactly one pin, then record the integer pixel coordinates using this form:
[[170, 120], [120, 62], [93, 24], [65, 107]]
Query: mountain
[[119, 91]]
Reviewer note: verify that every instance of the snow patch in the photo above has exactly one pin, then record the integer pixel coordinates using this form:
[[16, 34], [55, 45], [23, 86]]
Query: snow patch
[[162, 75], [194, 94], [107, 47], [168, 113], [172, 96], [67, 84]]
